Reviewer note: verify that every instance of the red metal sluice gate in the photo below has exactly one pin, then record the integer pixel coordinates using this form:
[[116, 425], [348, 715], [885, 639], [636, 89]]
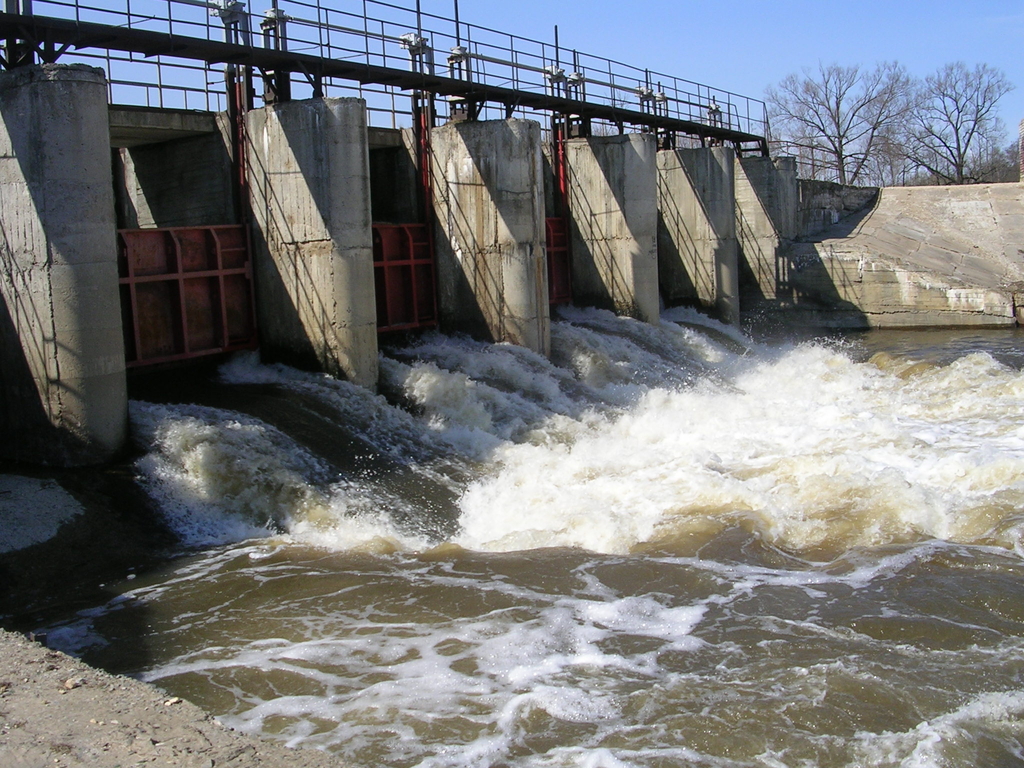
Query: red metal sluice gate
[[185, 292], [404, 277], [559, 270]]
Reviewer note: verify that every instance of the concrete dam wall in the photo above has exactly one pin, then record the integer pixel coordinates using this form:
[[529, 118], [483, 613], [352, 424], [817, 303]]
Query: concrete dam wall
[[741, 238], [910, 257]]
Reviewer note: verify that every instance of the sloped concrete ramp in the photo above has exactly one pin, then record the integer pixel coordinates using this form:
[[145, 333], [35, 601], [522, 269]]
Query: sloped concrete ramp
[[922, 256]]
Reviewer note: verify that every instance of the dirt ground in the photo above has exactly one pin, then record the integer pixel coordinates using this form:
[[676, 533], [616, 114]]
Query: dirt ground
[[56, 711]]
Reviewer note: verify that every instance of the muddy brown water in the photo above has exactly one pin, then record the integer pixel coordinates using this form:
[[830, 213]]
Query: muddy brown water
[[669, 547]]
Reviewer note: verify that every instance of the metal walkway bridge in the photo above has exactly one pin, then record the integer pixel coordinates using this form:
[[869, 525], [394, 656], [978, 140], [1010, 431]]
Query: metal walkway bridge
[[162, 53]]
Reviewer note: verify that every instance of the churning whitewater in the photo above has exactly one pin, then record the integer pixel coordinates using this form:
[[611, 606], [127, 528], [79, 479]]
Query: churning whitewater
[[634, 436], [667, 545]]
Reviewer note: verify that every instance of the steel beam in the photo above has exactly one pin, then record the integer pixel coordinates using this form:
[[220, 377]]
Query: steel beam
[[37, 29]]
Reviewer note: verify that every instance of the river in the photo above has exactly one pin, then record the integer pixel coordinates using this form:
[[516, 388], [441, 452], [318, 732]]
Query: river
[[666, 546]]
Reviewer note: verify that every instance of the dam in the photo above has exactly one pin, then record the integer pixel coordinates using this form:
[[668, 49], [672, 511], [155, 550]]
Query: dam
[[628, 449], [526, 177]]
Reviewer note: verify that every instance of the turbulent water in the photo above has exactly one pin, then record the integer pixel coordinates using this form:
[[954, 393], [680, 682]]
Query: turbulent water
[[666, 546]]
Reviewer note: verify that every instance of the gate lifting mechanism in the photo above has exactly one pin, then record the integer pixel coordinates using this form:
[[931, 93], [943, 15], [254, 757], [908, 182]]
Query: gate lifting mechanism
[[185, 293]]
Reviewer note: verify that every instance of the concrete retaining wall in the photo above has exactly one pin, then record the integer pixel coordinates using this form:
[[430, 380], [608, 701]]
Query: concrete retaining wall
[[834, 289], [179, 183], [821, 204], [488, 196], [697, 248], [313, 247], [62, 372], [922, 256], [614, 223]]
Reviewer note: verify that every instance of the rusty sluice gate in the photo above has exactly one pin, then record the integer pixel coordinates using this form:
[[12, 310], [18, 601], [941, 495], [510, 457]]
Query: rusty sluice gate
[[559, 283], [185, 292], [404, 277]]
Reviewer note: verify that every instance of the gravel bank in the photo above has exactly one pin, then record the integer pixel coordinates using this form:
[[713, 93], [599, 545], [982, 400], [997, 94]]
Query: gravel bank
[[56, 711]]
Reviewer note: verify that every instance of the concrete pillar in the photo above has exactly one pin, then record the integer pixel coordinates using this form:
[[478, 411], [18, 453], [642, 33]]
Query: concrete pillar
[[312, 237], [488, 194], [613, 213], [62, 375], [1020, 148], [766, 217], [697, 249]]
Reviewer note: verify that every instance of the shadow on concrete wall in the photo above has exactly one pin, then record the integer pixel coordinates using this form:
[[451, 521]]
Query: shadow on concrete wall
[[29, 351], [178, 183], [283, 338], [394, 189], [602, 276], [293, 304], [471, 286], [23, 417], [759, 265], [683, 278], [551, 206], [827, 206], [782, 278]]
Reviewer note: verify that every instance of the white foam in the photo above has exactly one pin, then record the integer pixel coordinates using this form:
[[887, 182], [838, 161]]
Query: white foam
[[223, 477], [951, 738], [813, 450], [633, 434]]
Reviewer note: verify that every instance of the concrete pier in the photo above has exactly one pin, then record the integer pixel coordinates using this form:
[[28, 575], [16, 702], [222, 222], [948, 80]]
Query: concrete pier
[[614, 223], [313, 247], [488, 196], [62, 371], [766, 211], [697, 248]]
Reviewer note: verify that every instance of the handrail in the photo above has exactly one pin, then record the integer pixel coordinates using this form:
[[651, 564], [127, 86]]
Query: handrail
[[387, 36]]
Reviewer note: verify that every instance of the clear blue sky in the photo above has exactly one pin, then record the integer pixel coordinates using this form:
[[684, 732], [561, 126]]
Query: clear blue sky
[[744, 46]]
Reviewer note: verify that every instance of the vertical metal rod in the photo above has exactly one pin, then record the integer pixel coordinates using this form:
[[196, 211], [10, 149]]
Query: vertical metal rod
[[556, 47], [366, 28], [458, 26]]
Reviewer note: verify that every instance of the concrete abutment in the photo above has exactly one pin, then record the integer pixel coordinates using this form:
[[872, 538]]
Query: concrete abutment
[[63, 391]]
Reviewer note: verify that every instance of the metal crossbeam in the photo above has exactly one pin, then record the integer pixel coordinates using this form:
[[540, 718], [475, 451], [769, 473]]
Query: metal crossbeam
[[52, 36]]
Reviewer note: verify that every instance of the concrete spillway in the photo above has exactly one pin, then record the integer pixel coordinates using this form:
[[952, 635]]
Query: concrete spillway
[[921, 256]]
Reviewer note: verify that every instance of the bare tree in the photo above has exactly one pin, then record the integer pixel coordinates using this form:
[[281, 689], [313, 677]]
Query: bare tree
[[889, 165], [1003, 165], [846, 113], [955, 129]]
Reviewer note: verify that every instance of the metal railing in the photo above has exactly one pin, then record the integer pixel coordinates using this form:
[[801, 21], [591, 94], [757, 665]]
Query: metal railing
[[379, 34]]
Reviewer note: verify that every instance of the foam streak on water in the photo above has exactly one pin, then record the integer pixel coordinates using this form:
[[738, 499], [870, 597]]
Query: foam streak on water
[[669, 546]]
